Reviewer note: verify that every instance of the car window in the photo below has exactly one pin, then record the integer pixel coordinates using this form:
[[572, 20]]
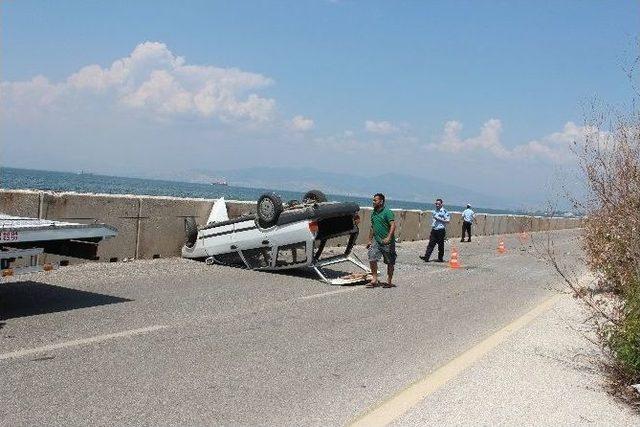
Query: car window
[[230, 258], [295, 253], [258, 257]]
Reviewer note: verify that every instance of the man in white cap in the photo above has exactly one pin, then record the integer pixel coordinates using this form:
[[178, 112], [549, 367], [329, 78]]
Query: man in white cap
[[468, 217]]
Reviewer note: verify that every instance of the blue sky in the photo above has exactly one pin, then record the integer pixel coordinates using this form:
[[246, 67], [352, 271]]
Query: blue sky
[[471, 92]]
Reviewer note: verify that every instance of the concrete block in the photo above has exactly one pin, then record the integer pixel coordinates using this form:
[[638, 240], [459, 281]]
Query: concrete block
[[24, 203], [512, 224], [424, 227], [410, 225], [502, 224], [563, 224], [478, 227], [236, 208], [549, 224], [523, 223], [161, 232], [490, 223], [454, 228], [365, 225], [399, 215], [544, 224], [536, 223], [118, 211], [497, 220]]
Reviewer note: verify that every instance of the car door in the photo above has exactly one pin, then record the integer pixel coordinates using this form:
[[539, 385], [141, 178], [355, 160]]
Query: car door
[[218, 242], [254, 244]]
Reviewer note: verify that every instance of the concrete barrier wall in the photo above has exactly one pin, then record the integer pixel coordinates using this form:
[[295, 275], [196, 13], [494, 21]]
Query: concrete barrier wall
[[237, 208], [161, 232], [500, 226], [400, 217], [115, 210], [490, 225], [424, 228], [365, 225], [20, 203], [410, 226], [480, 227], [454, 228], [150, 226]]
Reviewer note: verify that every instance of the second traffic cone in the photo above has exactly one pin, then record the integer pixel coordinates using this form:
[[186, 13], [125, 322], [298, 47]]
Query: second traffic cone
[[501, 248], [453, 262]]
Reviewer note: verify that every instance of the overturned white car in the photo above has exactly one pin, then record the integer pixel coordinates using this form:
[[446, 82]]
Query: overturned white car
[[280, 236]]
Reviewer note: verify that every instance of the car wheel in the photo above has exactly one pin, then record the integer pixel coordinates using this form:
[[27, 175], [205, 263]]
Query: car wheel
[[314, 196], [190, 231], [269, 209]]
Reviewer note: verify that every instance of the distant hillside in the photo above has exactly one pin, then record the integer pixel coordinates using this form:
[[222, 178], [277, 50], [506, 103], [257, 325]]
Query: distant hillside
[[395, 186]]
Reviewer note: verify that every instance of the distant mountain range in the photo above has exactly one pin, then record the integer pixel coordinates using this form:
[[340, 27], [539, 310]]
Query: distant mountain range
[[393, 185]]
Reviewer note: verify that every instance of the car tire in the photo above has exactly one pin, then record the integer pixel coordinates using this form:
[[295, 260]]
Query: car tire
[[314, 196], [190, 231], [269, 209]]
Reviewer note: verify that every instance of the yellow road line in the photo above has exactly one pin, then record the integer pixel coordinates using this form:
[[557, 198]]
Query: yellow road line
[[402, 402], [90, 340]]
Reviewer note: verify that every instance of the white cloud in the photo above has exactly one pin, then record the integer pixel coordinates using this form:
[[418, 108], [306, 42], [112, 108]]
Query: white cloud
[[488, 140], [302, 124], [154, 80], [382, 128], [554, 147], [397, 145]]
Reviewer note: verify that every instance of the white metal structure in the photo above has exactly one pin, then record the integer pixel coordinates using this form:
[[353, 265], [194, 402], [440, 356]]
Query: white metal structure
[[28, 237], [296, 239]]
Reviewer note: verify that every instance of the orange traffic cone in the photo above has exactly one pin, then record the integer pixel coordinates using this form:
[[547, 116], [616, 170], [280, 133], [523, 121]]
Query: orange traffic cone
[[453, 262], [501, 248]]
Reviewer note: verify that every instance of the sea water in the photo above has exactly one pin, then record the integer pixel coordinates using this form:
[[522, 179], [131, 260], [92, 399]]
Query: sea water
[[13, 178]]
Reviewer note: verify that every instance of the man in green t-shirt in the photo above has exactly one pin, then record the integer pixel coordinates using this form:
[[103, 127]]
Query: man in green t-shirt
[[382, 243]]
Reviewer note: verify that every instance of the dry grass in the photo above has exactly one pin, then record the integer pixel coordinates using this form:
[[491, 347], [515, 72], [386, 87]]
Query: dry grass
[[609, 159], [609, 162]]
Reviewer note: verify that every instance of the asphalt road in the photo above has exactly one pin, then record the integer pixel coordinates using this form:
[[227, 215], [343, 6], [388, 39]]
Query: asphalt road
[[178, 342]]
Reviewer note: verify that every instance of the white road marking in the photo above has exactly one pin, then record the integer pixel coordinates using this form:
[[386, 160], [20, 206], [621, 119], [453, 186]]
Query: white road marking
[[326, 294], [396, 406], [83, 341]]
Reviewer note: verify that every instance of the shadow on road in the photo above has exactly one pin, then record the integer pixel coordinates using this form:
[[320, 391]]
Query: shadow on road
[[307, 273], [20, 299]]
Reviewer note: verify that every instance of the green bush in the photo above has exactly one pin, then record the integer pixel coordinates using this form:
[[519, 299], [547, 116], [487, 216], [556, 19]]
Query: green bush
[[624, 339]]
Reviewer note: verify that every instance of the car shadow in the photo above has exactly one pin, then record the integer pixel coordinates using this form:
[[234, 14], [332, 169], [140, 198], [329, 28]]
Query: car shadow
[[307, 273], [21, 299]]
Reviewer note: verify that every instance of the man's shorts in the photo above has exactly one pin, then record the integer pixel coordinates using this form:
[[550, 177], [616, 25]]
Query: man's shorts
[[378, 250]]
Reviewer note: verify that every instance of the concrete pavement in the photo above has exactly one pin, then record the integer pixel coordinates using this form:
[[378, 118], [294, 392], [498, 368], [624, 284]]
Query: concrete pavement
[[178, 342]]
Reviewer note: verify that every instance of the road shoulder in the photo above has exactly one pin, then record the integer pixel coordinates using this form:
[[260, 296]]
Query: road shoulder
[[544, 374]]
